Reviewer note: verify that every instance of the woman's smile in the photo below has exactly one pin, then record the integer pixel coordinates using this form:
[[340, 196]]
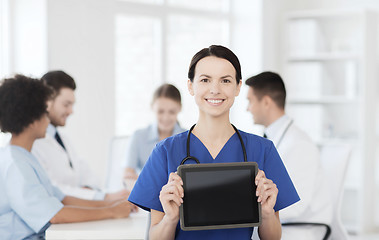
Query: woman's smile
[[215, 101]]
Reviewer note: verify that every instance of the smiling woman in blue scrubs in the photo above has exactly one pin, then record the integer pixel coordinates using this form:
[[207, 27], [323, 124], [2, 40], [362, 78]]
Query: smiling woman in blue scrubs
[[214, 82]]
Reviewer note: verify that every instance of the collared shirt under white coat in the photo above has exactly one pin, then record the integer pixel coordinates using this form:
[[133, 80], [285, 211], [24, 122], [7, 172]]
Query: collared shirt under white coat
[[56, 162], [302, 160]]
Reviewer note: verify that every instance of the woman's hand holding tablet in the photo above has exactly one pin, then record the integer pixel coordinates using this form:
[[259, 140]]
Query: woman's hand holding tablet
[[171, 197], [266, 193]]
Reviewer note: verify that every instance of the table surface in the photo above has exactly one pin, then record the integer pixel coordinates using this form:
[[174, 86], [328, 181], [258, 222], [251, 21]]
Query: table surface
[[133, 227]]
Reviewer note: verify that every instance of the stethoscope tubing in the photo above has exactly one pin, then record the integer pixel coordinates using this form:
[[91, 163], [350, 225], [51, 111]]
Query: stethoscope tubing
[[189, 157], [284, 133]]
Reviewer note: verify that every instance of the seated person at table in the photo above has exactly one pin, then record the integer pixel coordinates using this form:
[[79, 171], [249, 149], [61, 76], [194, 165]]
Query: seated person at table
[[56, 154], [29, 203], [166, 105]]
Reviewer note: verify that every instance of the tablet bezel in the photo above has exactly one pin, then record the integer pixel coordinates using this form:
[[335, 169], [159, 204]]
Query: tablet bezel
[[216, 166]]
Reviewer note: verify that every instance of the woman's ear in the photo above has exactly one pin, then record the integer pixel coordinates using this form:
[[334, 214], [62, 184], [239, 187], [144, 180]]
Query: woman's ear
[[190, 87], [32, 126], [239, 88]]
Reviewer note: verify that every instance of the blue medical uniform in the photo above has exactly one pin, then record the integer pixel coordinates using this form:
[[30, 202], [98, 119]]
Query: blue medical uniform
[[168, 154], [28, 200]]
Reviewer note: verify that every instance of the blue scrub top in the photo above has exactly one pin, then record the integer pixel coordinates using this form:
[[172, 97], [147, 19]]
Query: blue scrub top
[[28, 200], [168, 154]]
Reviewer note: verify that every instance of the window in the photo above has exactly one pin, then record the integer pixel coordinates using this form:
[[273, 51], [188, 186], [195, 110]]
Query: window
[[212, 5], [155, 41], [137, 70], [4, 16], [4, 138]]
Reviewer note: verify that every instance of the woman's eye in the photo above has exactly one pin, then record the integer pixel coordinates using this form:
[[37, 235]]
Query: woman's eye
[[204, 80], [226, 81]]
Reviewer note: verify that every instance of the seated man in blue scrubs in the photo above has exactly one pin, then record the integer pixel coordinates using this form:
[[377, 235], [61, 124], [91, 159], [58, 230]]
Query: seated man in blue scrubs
[[28, 201], [214, 82]]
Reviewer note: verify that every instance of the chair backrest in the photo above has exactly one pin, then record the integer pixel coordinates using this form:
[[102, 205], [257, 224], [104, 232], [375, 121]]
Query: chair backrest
[[117, 155], [335, 159]]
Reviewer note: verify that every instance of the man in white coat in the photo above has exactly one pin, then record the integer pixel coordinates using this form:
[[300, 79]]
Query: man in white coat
[[267, 96], [55, 152]]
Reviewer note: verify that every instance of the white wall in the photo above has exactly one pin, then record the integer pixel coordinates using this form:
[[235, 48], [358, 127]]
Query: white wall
[[327, 4], [4, 39], [81, 42], [273, 11], [28, 52], [246, 43]]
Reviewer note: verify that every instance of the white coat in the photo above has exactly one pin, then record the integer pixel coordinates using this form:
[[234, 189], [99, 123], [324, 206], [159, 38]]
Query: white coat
[[301, 157], [56, 162]]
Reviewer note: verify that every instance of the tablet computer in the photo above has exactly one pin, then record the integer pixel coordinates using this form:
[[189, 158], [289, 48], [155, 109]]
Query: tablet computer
[[219, 196]]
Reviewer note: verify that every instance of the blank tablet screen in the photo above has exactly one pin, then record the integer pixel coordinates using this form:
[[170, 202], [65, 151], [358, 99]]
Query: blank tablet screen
[[219, 196]]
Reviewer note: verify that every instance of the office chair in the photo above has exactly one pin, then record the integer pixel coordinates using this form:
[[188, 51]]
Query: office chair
[[334, 159], [115, 170]]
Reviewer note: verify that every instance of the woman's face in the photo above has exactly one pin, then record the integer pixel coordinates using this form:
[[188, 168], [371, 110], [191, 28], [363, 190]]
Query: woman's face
[[166, 111], [214, 86]]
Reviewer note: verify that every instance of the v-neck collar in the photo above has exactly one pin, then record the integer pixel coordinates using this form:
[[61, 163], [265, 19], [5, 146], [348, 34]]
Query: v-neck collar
[[216, 159]]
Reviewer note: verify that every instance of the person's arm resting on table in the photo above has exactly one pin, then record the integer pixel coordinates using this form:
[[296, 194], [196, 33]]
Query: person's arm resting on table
[[80, 210]]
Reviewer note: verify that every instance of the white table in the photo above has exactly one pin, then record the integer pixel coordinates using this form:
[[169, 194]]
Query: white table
[[134, 227]]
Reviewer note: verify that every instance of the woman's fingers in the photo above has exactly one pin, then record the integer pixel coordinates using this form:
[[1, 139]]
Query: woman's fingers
[[261, 189], [179, 183], [172, 192], [172, 197], [262, 185], [270, 192], [173, 188], [266, 188], [175, 177], [261, 174]]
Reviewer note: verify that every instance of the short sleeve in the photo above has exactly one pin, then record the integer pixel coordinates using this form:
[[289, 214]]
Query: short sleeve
[[276, 171], [29, 198], [58, 193], [153, 177], [131, 160]]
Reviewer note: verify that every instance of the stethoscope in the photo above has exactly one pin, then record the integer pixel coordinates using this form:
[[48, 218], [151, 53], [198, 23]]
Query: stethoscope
[[284, 133], [188, 157]]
